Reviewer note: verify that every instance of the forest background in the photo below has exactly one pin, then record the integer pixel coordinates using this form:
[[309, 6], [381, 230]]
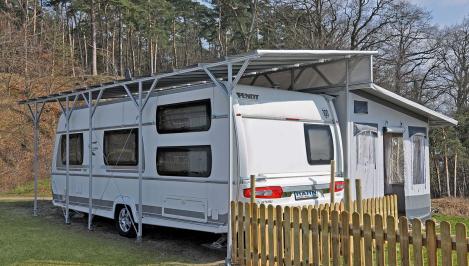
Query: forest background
[[47, 46]]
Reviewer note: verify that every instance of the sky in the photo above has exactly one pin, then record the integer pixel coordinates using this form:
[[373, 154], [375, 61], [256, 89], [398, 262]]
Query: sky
[[445, 12]]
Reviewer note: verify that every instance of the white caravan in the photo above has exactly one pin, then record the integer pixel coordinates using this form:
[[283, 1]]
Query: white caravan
[[286, 138]]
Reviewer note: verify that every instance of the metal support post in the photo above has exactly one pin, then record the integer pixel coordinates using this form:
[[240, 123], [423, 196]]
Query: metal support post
[[67, 162], [90, 159], [140, 163], [140, 104], [36, 116], [230, 182], [349, 122], [36, 162]]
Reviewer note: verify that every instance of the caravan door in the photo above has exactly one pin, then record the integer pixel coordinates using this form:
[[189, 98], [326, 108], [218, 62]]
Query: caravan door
[[365, 138], [418, 184]]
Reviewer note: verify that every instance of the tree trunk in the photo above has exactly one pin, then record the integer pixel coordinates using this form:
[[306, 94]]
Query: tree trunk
[[72, 49], [121, 46], [446, 165], [25, 28], [86, 51], [455, 173], [94, 62], [175, 62], [437, 169], [113, 48]]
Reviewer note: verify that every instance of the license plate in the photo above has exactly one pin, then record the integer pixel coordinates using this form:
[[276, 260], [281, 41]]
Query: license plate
[[304, 195]]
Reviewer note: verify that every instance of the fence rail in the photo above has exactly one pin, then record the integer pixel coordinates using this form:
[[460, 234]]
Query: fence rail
[[325, 235]]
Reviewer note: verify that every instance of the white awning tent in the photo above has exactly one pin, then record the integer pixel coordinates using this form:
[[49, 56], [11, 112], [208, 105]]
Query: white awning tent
[[304, 70]]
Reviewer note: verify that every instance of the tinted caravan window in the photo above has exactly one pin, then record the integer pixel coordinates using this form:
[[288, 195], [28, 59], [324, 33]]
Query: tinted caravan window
[[121, 147], [319, 145], [75, 149], [183, 117], [195, 161]]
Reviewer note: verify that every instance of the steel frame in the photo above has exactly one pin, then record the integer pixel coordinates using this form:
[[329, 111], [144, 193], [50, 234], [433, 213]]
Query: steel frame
[[140, 99]]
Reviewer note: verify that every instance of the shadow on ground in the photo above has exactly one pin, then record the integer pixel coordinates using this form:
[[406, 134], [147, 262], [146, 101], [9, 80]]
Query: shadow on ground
[[47, 238]]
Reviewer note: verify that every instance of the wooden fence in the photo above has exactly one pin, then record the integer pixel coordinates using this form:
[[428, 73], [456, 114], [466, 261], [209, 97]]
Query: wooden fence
[[321, 235]]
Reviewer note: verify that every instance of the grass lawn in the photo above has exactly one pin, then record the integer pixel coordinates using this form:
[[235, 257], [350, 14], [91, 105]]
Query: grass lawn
[[27, 189], [46, 240]]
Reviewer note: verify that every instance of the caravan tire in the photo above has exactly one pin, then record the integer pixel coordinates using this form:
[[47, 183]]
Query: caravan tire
[[125, 222]]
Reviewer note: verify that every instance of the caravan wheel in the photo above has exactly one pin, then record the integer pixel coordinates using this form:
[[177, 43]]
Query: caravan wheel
[[124, 222]]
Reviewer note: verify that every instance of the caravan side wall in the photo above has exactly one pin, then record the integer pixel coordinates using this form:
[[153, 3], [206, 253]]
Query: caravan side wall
[[197, 203], [368, 160]]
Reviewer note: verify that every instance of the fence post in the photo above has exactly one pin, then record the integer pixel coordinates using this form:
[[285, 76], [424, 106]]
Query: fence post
[[461, 244], [347, 195], [253, 188], [332, 184], [358, 191], [431, 242]]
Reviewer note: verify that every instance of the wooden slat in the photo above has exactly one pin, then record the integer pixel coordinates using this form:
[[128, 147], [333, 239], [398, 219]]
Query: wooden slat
[[263, 240], [335, 237], [391, 239], [345, 239], [377, 208], [461, 244], [379, 235], [325, 237], [357, 239], [404, 240], [234, 235], [248, 233], [279, 220], [241, 233], [287, 236], [389, 204], [271, 234], [385, 211], [296, 236], [255, 234], [368, 240], [306, 236], [417, 242], [446, 250], [315, 236], [431, 242]]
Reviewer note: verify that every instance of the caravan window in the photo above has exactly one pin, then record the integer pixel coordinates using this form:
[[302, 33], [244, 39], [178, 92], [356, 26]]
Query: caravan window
[[418, 159], [394, 158], [366, 136], [121, 147], [183, 117], [75, 149], [195, 161], [319, 145]]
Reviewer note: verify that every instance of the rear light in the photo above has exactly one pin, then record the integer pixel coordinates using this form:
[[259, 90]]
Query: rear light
[[339, 186], [265, 192]]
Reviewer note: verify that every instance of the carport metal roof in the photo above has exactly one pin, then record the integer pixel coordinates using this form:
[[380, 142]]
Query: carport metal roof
[[252, 63]]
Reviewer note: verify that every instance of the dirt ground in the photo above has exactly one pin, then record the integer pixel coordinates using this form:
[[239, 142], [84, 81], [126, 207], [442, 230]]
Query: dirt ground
[[451, 206], [164, 242]]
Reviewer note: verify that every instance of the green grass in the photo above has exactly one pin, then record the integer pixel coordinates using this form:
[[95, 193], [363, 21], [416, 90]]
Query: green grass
[[453, 220], [27, 189], [45, 240]]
